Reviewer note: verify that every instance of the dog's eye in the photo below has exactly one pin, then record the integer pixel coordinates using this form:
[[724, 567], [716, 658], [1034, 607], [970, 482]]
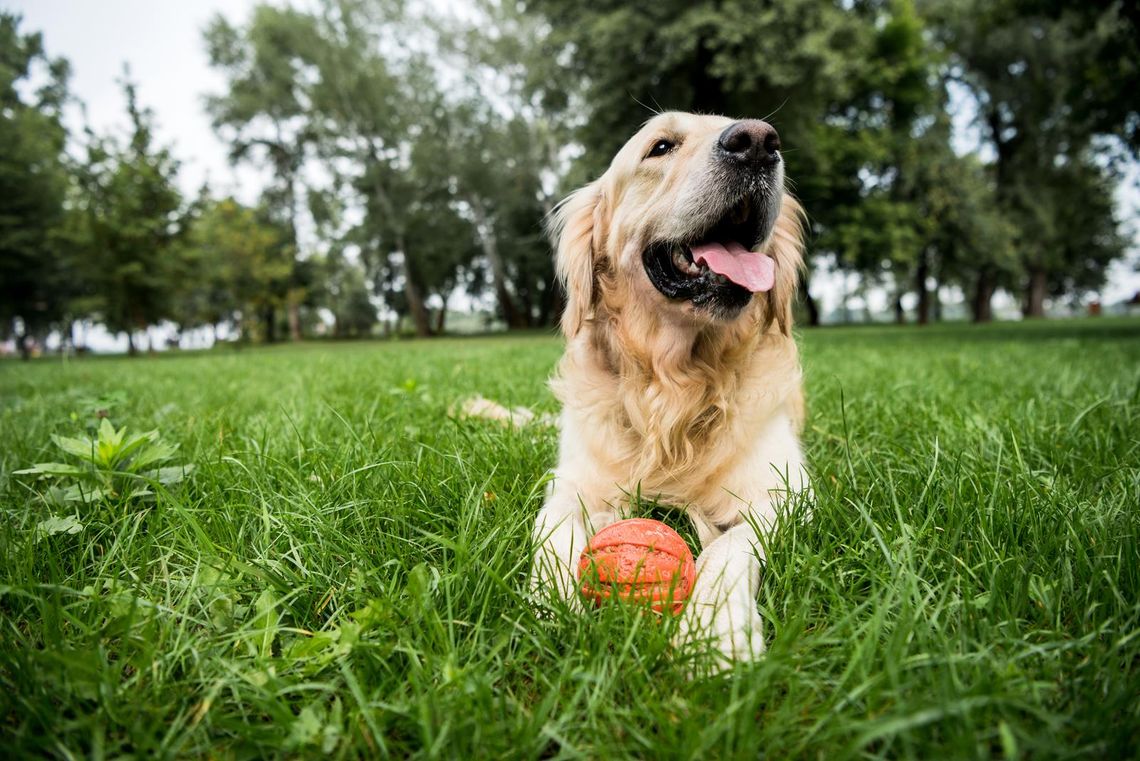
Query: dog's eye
[[660, 148]]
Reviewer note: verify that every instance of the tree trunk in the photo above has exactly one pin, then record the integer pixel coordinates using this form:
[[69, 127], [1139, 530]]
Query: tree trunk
[[511, 314], [490, 245], [440, 319], [289, 161], [22, 346], [294, 313], [525, 306], [1035, 294], [809, 303], [900, 313], [269, 316], [1007, 149], [920, 276], [411, 289], [131, 350], [936, 301], [420, 316], [983, 296]]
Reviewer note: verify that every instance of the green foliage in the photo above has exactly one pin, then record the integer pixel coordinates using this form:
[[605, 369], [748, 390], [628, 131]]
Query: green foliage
[[1036, 73], [853, 88], [111, 465], [128, 222], [55, 525], [267, 116], [388, 117], [449, 186], [34, 279], [848, 87], [346, 572], [237, 266], [428, 147], [347, 296]]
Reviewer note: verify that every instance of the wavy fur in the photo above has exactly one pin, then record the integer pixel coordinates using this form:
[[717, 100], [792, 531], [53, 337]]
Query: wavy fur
[[659, 399]]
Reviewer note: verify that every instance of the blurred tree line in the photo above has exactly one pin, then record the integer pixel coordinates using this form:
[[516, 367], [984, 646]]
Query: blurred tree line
[[412, 157]]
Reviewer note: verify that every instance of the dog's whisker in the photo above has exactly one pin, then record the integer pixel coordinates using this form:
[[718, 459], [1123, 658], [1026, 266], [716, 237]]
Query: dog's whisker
[[656, 112], [777, 110]]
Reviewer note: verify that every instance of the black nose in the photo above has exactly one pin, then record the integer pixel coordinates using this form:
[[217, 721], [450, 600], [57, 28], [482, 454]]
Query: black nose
[[750, 141]]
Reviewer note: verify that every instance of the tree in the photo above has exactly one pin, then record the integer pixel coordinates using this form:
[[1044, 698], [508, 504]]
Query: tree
[[1037, 72], [130, 219], [1106, 75], [201, 296], [505, 142], [1070, 233], [963, 237], [496, 174], [384, 128], [345, 293], [842, 84], [34, 282], [242, 264], [266, 113]]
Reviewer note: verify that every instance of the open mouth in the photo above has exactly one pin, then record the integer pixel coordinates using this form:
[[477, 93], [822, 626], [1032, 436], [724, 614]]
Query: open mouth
[[717, 270]]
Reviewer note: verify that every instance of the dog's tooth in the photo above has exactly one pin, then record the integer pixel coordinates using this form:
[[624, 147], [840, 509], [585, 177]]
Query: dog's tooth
[[683, 264], [679, 260]]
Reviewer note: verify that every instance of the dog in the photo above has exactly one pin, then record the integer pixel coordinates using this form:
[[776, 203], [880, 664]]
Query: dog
[[680, 379]]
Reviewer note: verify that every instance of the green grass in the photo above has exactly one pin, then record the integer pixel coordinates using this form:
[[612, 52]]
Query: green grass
[[342, 575]]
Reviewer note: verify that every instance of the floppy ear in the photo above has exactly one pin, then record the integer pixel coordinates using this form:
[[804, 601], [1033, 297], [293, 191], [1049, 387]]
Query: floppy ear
[[787, 248], [576, 226]]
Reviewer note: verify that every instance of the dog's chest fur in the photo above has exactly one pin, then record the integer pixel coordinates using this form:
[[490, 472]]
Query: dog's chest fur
[[676, 428]]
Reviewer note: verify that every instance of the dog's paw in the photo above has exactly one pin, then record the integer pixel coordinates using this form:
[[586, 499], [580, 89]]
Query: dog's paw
[[732, 628]]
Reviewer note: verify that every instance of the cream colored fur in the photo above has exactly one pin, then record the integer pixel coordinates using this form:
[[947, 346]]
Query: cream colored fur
[[660, 398]]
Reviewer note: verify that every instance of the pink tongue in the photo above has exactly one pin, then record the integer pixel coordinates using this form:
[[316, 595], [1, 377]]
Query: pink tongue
[[756, 272]]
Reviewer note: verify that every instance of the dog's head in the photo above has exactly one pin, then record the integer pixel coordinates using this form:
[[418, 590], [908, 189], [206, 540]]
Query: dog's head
[[690, 223]]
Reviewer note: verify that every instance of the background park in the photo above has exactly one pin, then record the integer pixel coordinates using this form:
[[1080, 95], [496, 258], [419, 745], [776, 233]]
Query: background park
[[286, 544]]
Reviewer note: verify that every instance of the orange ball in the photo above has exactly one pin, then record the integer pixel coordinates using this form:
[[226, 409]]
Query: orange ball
[[640, 560]]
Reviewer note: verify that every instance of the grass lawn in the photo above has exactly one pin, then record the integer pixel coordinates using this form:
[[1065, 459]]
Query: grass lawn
[[342, 573]]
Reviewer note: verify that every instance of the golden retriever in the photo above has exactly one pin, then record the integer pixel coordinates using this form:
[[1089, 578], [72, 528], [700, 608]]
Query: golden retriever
[[680, 379]]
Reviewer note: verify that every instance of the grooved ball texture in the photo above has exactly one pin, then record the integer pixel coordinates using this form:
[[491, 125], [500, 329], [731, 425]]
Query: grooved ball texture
[[640, 560]]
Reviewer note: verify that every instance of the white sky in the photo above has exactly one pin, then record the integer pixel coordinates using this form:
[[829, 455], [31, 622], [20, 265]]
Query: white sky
[[162, 42]]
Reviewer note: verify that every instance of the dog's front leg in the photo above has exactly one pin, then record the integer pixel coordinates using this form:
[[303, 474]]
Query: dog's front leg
[[722, 606], [564, 525]]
